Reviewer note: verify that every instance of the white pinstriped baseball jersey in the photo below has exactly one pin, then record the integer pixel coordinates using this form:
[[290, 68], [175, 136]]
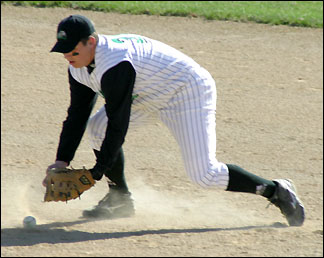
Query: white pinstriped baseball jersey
[[171, 85], [160, 69]]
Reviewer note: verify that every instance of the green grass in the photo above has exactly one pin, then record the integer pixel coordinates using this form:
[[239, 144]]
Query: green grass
[[293, 13]]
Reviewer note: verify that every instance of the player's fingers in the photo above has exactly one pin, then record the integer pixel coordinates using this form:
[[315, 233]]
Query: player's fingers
[[51, 166], [57, 164]]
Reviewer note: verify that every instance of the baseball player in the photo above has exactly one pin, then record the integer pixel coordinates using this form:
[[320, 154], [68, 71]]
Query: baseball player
[[142, 79]]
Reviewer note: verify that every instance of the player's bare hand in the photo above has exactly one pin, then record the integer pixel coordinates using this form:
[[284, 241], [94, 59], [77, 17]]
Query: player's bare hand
[[57, 164]]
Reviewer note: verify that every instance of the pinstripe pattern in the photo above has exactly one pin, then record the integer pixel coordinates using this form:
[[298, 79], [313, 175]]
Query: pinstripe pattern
[[190, 117], [171, 86]]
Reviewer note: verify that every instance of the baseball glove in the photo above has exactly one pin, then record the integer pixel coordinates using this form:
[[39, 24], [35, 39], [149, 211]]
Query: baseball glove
[[64, 184]]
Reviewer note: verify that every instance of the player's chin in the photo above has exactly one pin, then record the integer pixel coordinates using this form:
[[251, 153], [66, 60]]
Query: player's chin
[[75, 64]]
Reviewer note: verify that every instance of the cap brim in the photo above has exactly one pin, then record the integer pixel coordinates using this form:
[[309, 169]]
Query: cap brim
[[63, 47]]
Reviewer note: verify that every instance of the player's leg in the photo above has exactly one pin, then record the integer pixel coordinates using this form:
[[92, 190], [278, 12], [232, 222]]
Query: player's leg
[[190, 116], [96, 129], [197, 146], [195, 132], [116, 174], [117, 202], [194, 128], [241, 180]]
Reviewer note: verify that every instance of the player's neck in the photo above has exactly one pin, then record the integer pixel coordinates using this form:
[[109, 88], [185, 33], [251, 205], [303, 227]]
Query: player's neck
[[92, 64]]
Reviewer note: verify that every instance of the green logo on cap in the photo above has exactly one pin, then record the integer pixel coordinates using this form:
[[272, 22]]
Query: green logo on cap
[[61, 35]]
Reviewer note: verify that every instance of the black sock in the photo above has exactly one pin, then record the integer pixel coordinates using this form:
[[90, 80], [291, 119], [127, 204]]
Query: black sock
[[116, 173], [241, 180]]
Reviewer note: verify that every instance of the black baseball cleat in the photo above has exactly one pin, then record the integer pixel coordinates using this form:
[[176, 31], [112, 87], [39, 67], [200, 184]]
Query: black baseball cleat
[[285, 198], [115, 204]]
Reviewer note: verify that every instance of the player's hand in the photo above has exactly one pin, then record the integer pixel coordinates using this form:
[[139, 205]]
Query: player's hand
[[57, 164]]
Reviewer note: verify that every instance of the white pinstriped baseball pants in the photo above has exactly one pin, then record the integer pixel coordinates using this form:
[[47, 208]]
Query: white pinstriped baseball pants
[[190, 116]]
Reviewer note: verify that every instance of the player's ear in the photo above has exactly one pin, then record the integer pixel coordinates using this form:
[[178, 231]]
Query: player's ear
[[92, 41]]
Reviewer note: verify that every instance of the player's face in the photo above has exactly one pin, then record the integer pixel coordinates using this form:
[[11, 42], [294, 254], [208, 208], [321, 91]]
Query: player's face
[[81, 55]]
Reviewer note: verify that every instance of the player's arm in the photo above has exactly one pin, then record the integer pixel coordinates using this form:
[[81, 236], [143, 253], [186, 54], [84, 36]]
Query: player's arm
[[117, 87], [82, 101]]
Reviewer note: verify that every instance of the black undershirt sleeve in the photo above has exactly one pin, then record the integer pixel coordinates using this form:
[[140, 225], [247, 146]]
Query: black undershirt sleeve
[[82, 101], [117, 87]]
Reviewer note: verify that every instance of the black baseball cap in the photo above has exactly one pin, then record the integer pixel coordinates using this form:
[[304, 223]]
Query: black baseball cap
[[70, 31]]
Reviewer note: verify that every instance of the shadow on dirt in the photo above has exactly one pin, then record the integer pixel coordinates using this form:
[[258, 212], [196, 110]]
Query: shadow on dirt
[[50, 233]]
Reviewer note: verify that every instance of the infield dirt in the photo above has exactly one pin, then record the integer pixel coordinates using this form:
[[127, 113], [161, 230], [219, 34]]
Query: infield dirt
[[269, 121]]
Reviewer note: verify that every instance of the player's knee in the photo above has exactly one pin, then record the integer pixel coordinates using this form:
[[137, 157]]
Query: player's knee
[[217, 177], [94, 135], [202, 181]]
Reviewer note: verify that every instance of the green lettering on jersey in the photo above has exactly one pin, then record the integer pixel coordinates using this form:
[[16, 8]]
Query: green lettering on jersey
[[122, 39]]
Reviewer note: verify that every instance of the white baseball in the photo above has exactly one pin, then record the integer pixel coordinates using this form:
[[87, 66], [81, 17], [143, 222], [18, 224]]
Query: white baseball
[[29, 222]]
